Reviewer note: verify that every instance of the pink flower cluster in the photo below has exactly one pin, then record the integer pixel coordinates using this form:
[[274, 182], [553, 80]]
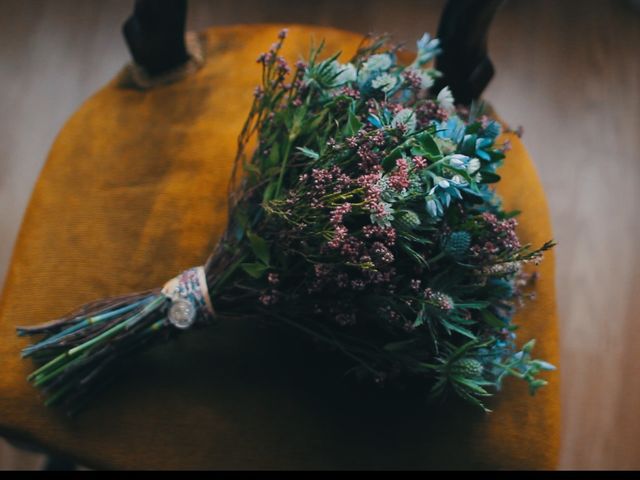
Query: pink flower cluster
[[381, 255], [377, 138], [373, 193], [399, 179], [265, 58], [440, 300], [501, 237], [413, 79], [367, 148], [350, 92], [325, 181], [374, 107], [338, 213], [269, 298], [348, 245], [387, 235], [346, 319], [283, 66], [428, 111], [419, 162], [505, 231], [370, 159]]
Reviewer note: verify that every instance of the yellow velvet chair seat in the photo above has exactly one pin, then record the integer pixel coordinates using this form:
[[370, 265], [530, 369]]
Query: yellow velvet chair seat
[[134, 191]]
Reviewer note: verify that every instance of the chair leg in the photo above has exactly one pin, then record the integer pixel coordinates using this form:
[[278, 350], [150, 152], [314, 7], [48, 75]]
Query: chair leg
[[464, 62], [155, 35], [55, 464]]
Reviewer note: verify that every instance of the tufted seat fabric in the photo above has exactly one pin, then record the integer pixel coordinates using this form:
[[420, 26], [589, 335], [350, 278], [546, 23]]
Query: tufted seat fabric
[[134, 191]]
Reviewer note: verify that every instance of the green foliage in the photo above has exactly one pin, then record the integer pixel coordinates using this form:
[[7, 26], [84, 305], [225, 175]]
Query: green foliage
[[259, 247], [307, 152], [256, 270]]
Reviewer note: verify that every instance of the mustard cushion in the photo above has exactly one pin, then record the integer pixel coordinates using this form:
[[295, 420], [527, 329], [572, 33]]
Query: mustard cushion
[[134, 191]]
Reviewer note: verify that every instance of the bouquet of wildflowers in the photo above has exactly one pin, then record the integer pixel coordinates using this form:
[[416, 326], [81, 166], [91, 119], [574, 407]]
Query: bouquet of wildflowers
[[363, 217]]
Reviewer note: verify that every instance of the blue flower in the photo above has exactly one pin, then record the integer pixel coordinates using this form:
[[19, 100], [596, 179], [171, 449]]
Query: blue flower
[[463, 162], [344, 73], [384, 82], [427, 49], [378, 62], [374, 120], [434, 207], [492, 130], [453, 129], [445, 99], [458, 161], [443, 191], [481, 145]]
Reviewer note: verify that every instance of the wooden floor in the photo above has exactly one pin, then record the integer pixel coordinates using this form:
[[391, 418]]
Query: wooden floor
[[568, 71]]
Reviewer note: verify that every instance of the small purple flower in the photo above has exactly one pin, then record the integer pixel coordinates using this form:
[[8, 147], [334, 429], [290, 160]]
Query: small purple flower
[[268, 299], [399, 179], [381, 254], [339, 212], [419, 162], [439, 300], [283, 66], [346, 319], [342, 280], [378, 138]]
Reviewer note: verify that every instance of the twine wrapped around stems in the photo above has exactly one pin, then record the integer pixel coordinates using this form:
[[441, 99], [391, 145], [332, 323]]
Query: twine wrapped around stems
[[78, 348]]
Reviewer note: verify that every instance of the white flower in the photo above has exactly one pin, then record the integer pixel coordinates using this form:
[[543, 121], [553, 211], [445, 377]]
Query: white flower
[[383, 183], [426, 80], [427, 49], [433, 207], [445, 99], [473, 166], [405, 117], [446, 146], [347, 73], [373, 67], [380, 61], [384, 219], [439, 182], [384, 82], [458, 180], [443, 183], [427, 44], [458, 161]]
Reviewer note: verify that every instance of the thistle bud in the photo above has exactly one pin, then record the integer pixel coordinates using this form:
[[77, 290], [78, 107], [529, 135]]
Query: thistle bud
[[457, 244], [407, 220], [467, 368]]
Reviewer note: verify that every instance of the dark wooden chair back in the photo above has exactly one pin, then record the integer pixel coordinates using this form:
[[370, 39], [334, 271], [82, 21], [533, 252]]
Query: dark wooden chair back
[[155, 36]]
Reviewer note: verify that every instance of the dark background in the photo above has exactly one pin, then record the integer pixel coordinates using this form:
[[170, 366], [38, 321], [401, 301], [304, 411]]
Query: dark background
[[568, 71]]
